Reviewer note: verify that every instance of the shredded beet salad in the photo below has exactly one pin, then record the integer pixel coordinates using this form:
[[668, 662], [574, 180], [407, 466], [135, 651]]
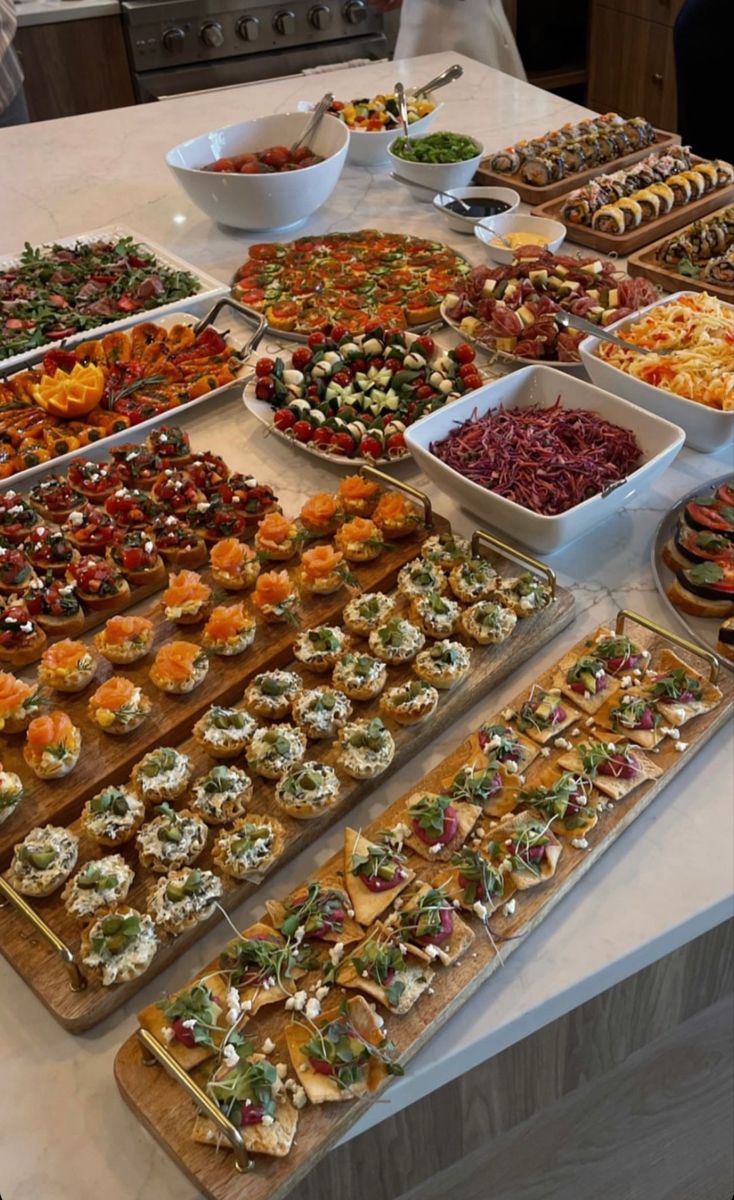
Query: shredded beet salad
[[546, 459]]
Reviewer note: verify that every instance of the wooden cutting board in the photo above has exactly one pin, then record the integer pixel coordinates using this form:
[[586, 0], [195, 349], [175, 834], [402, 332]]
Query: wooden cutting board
[[40, 966], [633, 239], [645, 262], [538, 195], [167, 1112]]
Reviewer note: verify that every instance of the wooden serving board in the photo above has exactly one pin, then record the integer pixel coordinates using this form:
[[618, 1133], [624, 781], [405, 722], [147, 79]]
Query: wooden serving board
[[633, 239], [38, 964], [109, 759], [167, 1112], [538, 195], [645, 262]]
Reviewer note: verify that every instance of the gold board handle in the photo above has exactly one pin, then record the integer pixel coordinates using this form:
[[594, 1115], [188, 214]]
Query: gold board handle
[[480, 537], [421, 497], [153, 1050], [8, 895], [626, 614]]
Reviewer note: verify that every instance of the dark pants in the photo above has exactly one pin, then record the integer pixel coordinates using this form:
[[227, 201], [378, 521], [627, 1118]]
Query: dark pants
[[17, 111], [703, 39]]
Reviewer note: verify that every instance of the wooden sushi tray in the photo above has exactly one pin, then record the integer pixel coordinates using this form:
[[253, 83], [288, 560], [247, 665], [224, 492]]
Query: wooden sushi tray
[[41, 941], [163, 1096], [538, 195], [645, 262], [648, 231]]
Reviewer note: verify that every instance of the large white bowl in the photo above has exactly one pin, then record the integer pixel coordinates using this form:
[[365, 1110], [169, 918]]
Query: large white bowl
[[464, 224], [437, 176], [659, 441], [513, 223], [705, 428], [273, 201], [368, 148]]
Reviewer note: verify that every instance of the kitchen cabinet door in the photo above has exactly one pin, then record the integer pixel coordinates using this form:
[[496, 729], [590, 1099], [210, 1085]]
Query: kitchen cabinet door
[[632, 67], [74, 67]]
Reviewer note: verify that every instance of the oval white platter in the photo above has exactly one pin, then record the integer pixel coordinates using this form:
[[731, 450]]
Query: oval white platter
[[512, 360]]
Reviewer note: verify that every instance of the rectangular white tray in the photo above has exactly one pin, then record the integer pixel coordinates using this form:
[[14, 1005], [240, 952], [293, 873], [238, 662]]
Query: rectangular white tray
[[210, 289]]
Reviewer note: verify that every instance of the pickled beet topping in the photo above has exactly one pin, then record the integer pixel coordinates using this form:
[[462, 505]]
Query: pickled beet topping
[[446, 918], [528, 854], [378, 883], [182, 1033], [450, 826], [620, 766], [251, 1114]]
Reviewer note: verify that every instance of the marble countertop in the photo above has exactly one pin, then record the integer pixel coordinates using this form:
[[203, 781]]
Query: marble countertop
[[75, 174], [53, 12]]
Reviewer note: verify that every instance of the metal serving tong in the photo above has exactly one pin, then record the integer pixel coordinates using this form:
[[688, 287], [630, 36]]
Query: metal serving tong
[[402, 109], [447, 76], [571, 321], [325, 102]]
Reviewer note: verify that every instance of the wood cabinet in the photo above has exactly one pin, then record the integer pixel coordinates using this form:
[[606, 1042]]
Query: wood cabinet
[[74, 67], [632, 65]]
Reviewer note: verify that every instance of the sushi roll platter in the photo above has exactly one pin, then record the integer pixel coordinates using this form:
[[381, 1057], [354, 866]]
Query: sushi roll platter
[[544, 167], [629, 208], [700, 257]]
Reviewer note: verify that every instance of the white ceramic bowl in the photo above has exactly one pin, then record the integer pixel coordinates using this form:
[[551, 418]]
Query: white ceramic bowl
[[272, 201], [368, 148], [464, 224], [659, 441], [705, 428], [518, 223], [437, 176]]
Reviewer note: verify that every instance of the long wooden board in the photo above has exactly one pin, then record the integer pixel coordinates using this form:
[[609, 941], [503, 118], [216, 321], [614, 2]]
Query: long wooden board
[[649, 231], [41, 968], [538, 195], [107, 759], [167, 1112], [645, 262]]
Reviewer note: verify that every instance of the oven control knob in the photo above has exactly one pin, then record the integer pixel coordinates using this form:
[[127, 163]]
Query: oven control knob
[[248, 28], [212, 34], [355, 12], [173, 39], [285, 23], [320, 16]]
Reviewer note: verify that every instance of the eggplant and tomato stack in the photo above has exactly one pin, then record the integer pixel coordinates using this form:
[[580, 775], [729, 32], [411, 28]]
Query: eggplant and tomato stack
[[354, 396], [701, 553]]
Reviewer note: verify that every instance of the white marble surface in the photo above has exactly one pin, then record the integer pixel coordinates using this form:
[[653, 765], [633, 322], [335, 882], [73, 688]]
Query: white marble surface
[[65, 1133], [54, 12]]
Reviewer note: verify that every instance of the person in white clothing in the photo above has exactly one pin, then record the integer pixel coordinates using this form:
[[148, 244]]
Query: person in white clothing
[[477, 28]]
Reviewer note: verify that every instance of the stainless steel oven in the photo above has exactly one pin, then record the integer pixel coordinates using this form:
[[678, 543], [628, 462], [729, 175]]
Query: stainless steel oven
[[178, 46]]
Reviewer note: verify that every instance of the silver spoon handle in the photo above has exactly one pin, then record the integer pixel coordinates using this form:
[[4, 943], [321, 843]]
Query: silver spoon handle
[[423, 187], [447, 76], [402, 107], [324, 103], [572, 321]]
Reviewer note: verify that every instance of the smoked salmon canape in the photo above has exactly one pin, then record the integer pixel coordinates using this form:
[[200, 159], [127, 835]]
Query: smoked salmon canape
[[358, 496], [118, 706], [125, 639], [136, 555], [19, 704], [360, 540], [229, 630], [177, 543], [275, 598], [179, 667], [277, 538], [321, 515], [235, 565], [323, 571], [67, 666], [99, 584], [21, 639], [187, 599], [53, 745], [397, 517], [11, 793]]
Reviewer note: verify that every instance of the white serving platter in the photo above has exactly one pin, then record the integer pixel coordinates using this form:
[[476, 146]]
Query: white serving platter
[[512, 360], [209, 290]]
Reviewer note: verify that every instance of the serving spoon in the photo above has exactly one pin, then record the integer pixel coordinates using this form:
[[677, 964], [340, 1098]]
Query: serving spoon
[[326, 100], [402, 110], [447, 76], [571, 321], [423, 187]]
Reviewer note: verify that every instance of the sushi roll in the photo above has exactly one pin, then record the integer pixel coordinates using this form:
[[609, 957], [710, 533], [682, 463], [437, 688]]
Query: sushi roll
[[631, 210], [681, 156], [724, 172], [606, 147], [676, 250], [721, 270], [697, 182], [505, 162], [649, 204], [590, 147], [640, 132], [541, 170], [620, 140], [710, 175], [574, 157], [609, 219], [665, 195], [681, 187]]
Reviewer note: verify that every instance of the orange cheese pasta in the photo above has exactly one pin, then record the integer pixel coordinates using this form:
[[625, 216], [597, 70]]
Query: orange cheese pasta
[[700, 328]]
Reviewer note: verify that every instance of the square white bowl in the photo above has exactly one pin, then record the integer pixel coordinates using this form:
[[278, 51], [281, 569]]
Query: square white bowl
[[705, 428], [659, 441]]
